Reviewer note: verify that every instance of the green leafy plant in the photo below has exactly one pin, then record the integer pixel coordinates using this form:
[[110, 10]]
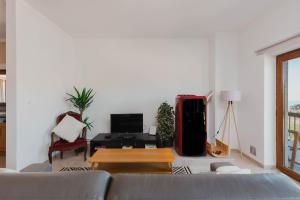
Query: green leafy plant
[[89, 125], [82, 100], [165, 123]]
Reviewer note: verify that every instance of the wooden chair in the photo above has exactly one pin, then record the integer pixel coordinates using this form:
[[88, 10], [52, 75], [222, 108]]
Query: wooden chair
[[63, 145]]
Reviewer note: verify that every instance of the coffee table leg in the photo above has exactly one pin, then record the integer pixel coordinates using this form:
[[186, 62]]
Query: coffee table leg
[[94, 165], [170, 167]]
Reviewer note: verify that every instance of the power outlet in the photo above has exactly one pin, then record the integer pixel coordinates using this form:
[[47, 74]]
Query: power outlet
[[253, 150]]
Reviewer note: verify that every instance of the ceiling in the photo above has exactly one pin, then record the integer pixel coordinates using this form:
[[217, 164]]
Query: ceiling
[[147, 18], [2, 19]]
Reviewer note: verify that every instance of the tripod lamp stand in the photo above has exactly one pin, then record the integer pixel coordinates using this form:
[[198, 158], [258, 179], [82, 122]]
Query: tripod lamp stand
[[230, 96]]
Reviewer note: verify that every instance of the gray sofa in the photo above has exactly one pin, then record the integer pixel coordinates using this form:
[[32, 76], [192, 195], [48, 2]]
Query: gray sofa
[[98, 185]]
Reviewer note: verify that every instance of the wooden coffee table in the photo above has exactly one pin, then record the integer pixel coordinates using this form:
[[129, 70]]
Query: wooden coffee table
[[133, 160]]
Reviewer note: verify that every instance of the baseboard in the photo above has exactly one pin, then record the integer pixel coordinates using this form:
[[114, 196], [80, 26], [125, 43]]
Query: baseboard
[[268, 167]]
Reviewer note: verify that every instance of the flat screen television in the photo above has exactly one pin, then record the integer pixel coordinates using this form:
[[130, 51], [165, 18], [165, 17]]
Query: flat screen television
[[126, 123]]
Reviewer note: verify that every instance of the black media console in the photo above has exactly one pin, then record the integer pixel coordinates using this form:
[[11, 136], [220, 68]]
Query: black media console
[[116, 140]]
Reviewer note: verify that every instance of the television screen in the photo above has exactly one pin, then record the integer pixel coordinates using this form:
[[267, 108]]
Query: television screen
[[126, 123]]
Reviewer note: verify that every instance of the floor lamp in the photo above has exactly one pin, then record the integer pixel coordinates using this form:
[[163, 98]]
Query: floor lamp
[[230, 96]]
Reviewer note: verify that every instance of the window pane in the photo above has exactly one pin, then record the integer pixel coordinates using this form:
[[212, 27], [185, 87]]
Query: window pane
[[2, 88]]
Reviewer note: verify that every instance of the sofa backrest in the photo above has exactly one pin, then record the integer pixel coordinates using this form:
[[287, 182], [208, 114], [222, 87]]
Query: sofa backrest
[[90, 185], [203, 186], [100, 185]]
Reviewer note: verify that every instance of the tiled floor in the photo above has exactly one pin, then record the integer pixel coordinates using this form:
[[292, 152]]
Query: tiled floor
[[196, 164]]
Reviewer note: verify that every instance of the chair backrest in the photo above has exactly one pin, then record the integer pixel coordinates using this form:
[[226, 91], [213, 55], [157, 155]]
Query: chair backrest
[[70, 113]]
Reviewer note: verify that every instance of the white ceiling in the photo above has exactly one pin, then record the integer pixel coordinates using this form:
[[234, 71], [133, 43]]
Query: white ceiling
[[2, 19], [148, 18]]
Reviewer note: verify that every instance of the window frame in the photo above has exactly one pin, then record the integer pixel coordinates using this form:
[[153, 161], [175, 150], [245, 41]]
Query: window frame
[[280, 110]]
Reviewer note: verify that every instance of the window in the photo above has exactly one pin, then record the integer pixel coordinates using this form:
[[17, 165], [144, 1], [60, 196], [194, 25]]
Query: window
[[288, 113]]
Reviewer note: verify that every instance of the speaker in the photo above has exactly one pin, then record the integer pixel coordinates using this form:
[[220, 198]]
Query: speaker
[[191, 125]]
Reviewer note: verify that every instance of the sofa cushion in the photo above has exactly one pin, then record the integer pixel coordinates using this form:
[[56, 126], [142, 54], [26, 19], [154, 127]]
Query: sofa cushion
[[59, 186], [203, 186]]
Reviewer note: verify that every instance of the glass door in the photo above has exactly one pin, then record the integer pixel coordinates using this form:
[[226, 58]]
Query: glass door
[[288, 113]]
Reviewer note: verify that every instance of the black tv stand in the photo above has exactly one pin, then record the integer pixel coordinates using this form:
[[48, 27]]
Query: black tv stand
[[119, 140], [128, 136]]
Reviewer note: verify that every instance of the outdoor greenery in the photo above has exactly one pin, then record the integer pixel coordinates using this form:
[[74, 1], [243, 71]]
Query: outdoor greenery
[[82, 100], [165, 122], [294, 108]]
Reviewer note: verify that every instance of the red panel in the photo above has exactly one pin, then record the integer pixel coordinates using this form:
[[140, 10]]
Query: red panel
[[178, 142]]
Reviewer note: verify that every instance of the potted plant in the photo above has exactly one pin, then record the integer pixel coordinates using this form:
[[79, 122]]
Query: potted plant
[[165, 124], [82, 100]]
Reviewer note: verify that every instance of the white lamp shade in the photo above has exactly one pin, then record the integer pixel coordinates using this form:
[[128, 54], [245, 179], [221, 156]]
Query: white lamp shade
[[231, 95]]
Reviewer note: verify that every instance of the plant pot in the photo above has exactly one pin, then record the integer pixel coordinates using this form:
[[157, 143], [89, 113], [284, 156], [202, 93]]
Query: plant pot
[[168, 143], [165, 143]]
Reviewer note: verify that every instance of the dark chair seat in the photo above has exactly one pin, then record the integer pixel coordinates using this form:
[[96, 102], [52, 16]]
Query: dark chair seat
[[63, 144]]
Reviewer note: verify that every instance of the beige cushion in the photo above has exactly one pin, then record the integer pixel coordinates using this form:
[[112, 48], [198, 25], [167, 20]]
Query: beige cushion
[[69, 128], [6, 170], [232, 170]]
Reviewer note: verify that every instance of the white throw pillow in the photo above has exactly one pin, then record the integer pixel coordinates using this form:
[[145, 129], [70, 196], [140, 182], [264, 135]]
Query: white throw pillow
[[69, 128], [232, 170]]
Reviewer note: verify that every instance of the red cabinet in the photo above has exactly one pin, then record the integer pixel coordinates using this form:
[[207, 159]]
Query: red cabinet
[[191, 125]]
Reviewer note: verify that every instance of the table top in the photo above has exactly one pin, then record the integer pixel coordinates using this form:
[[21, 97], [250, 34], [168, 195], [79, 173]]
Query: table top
[[138, 155]]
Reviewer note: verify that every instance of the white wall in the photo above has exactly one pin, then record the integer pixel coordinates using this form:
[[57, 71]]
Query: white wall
[[45, 69], [136, 75], [11, 94], [269, 110], [224, 76], [256, 124], [128, 75]]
